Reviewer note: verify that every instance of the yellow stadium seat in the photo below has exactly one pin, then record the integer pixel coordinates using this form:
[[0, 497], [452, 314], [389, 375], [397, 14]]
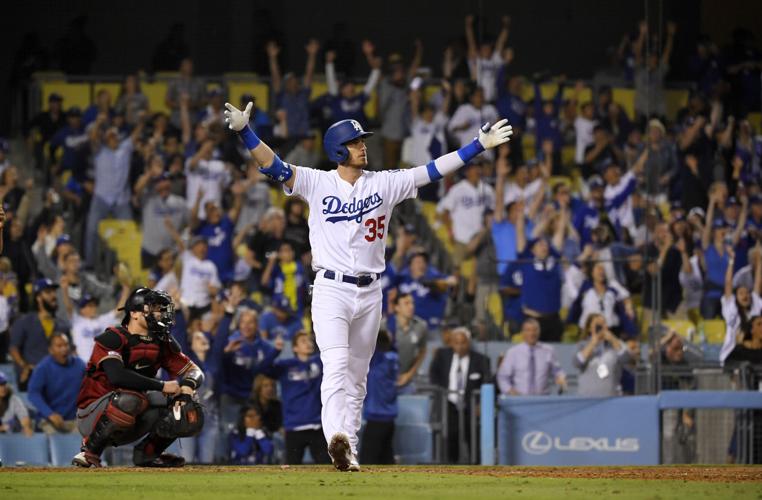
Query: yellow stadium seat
[[74, 94], [682, 326], [113, 88], [516, 338], [260, 91], [676, 100], [625, 97], [568, 154], [156, 92], [714, 330], [166, 75], [528, 143], [755, 120]]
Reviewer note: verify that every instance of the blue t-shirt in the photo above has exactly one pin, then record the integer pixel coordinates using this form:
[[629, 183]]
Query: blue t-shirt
[[53, 388], [219, 237], [240, 367], [381, 398], [429, 304], [513, 278], [268, 322], [514, 109], [251, 449], [348, 109], [299, 390], [541, 290], [297, 107]]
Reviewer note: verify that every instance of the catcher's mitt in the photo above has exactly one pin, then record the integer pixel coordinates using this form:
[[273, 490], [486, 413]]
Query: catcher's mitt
[[184, 418]]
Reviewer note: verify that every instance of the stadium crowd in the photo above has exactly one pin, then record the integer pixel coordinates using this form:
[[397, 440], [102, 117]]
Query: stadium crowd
[[571, 243]]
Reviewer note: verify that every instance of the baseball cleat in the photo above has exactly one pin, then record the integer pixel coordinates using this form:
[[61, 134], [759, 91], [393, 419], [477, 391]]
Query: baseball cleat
[[165, 460], [354, 465], [340, 451], [86, 459]]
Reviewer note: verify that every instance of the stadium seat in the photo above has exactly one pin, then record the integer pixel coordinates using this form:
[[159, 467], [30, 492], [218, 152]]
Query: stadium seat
[[74, 94], [260, 91], [413, 443], [625, 97], [17, 449], [113, 88], [755, 120], [413, 410], [681, 326], [676, 99], [156, 92], [714, 330], [63, 447]]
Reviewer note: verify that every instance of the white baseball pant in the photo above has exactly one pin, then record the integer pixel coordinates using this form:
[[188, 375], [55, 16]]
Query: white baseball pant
[[346, 319]]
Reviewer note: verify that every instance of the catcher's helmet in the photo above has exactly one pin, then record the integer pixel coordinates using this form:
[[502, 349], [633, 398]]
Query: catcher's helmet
[[338, 135], [158, 301]]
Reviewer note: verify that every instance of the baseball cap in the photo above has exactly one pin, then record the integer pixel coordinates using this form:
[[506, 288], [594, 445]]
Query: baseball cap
[[697, 211], [5, 146], [719, 223], [74, 111], [281, 302], [732, 200], [55, 97], [86, 299], [43, 284], [595, 182], [63, 239], [676, 205], [3, 379]]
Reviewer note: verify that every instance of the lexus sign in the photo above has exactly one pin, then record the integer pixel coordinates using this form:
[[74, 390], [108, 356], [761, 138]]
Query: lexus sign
[[540, 443]]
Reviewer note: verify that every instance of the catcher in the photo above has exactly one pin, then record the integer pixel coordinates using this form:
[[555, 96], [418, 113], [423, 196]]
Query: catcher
[[121, 401]]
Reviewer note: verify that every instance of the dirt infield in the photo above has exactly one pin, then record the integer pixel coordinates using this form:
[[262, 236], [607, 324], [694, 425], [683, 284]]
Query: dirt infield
[[714, 474]]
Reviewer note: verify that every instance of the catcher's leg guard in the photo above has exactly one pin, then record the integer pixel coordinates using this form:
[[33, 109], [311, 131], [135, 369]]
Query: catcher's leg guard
[[118, 417]]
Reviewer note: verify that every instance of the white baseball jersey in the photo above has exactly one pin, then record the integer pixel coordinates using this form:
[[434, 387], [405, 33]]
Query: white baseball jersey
[[349, 223], [197, 276], [84, 330], [209, 175], [466, 204]]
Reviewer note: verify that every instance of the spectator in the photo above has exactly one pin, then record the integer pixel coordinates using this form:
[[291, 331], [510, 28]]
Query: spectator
[[740, 306], [46, 123], [470, 117], [285, 277], [199, 282], [265, 242], [18, 251], [486, 61], [463, 207], [73, 139], [599, 359], [111, 194], [529, 368], [408, 333], [678, 426], [218, 228], [14, 416], [583, 128], [605, 297], [163, 276], [427, 286], [546, 116], [249, 441], [600, 153], [256, 199], [245, 355], [291, 96], [30, 333], [54, 386], [661, 165], [393, 103], [101, 106], [305, 152], [510, 284], [154, 188], [662, 257], [213, 112], [297, 231], [483, 282], [300, 378], [281, 321], [86, 323], [511, 105], [264, 396], [427, 128], [541, 278], [131, 101], [207, 178], [749, 349], [75, 283], [459, 370], [651, 70], [380, 406], [343, 100], [184, 84], [618, 196]]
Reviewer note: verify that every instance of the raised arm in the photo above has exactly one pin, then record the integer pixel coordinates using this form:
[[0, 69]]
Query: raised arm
[[415, 104], [728, 292], [330, 73], [706, 236], [470, 38], [172, 230], [502, 37], [270, 164], [521, 236], [238, 189], [273, 49], [637, 47], [741, 225], [671, 29], [489, 137], [417, 58], [311, 48]]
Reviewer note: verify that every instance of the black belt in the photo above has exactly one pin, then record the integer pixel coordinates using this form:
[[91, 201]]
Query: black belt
[[360, 281]]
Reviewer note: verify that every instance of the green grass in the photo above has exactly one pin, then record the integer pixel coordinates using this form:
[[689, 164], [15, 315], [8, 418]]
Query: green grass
[[264, 483]]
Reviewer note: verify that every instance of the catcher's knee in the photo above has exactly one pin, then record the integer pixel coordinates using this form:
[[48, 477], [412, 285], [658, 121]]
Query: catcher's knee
[[125, 407]]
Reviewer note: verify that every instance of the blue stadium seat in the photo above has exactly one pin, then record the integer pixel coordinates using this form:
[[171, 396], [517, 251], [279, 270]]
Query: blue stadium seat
[[17, 449], [414, 443], [63, 447], [413, 410], [10, 374]]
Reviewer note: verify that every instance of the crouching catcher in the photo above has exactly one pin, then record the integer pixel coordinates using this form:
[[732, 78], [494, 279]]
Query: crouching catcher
[[121, 401]]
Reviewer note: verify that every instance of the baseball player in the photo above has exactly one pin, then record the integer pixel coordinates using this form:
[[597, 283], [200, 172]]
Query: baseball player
[[121, 401], [349, 211]]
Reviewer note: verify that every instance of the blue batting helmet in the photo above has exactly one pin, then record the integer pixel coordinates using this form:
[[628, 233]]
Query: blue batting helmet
[[338, 135]]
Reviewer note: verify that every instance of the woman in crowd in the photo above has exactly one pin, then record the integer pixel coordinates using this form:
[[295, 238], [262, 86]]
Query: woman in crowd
[[599, 359], [14, 416]]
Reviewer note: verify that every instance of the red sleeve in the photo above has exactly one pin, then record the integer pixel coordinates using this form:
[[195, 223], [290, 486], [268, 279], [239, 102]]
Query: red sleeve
[[176, 363]]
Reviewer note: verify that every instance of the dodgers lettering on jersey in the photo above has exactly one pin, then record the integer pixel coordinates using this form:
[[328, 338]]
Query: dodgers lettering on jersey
[[349, 223]]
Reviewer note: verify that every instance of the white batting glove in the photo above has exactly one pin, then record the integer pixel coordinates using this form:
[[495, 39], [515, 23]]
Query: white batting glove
[[497, 134], [235, 118]]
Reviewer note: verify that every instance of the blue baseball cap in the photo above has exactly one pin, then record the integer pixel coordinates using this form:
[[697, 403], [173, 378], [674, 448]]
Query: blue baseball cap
[[86, 299], [720, 223], [43, 284], [64, 238], [595, 182], [281, 302], [3, 379], [732, 200]]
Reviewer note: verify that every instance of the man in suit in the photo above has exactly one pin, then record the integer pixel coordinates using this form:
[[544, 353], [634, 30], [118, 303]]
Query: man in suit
[[459, 370]]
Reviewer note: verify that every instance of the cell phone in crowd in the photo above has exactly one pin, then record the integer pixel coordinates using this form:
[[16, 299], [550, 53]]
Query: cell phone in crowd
[[416, 83]]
